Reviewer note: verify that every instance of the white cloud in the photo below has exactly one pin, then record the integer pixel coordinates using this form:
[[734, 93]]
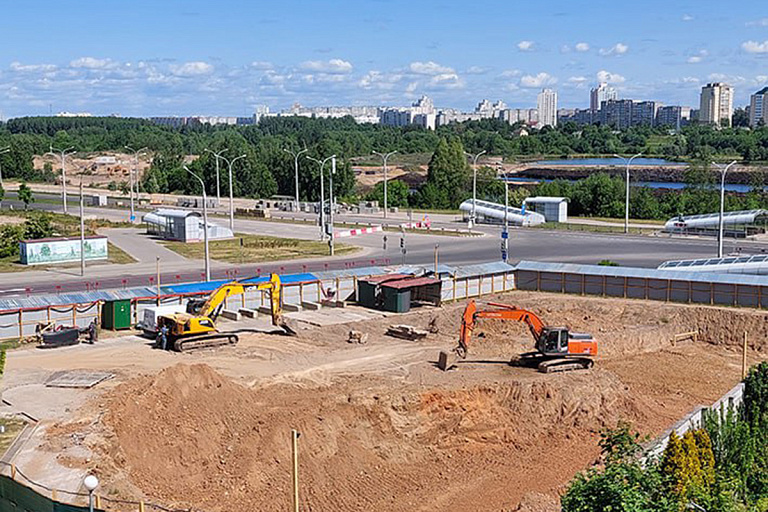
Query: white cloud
[[617, 49], [195, 68], [687, 17], [755, 46], [334, 66], [378, 80], [510, 73], [428, 68], [758, 23], [577, 79], [32, 68], [608, 77], [446, 81], [582, 47], [476, 70], [525, 46], [260, 64], [91, 63], [539, 80], [695, 59]]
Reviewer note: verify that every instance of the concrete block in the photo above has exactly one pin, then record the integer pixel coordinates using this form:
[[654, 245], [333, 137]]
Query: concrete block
[[230, 314], [313, 306], [291, 307], [249, 313], [265, 310]]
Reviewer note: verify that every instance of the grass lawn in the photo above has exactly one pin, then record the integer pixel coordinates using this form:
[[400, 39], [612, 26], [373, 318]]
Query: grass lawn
[[116, 255], [618, 228], [255, 248], [621, 221], [13, 427]]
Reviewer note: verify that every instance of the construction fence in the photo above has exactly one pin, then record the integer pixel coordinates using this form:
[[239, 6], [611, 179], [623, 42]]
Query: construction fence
[[649, 284], [320, 287]]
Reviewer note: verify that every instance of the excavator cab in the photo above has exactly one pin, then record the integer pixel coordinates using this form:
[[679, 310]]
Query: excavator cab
[[553, 340]]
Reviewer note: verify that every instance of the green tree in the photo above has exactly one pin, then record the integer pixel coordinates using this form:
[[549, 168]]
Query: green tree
[[397, 193], [447, 175], [25, 195], [37, 225], [2, 195]]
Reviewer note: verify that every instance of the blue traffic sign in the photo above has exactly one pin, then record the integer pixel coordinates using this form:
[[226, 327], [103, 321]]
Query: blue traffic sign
[[504, 235]]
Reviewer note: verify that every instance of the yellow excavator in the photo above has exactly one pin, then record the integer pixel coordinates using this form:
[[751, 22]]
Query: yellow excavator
[[197, 327]]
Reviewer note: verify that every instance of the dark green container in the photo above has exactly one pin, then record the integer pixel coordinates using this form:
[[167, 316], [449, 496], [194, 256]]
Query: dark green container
[[366, 294], [397, 300], [116, 314]]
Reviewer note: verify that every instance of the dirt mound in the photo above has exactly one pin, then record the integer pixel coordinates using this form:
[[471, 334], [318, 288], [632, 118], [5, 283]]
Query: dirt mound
[[190, 437]]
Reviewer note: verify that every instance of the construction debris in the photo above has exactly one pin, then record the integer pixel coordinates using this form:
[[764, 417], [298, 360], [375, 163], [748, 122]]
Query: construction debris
[[358, 337], [407, 332]]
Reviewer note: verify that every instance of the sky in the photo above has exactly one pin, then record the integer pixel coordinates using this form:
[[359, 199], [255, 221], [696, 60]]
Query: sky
[[226, 57]]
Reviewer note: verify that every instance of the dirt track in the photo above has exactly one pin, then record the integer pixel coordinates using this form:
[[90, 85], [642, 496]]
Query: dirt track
[[382, 429]]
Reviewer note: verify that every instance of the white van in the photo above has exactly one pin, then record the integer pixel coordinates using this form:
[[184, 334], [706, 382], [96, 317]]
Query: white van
[[148, 323]]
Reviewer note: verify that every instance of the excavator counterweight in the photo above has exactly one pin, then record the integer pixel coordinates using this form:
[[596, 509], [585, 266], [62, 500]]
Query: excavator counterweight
[[557, 348]]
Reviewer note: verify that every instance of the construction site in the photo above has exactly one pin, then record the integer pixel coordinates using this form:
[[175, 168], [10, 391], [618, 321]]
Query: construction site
[[384, 422]]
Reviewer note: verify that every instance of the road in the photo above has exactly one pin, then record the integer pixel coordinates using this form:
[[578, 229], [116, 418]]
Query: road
[[525, 244]]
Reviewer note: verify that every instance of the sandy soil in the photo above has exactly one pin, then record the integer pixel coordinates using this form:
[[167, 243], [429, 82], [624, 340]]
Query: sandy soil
[[95, 173], [381, 427]]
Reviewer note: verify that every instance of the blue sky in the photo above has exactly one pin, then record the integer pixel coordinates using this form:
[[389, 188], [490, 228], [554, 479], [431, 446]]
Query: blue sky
[[224, 57]]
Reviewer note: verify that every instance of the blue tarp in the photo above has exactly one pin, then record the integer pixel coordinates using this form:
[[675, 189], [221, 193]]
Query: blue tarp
[[212, 285]]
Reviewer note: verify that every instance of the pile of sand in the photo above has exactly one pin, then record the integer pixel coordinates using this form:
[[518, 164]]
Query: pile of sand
[[190, 437]]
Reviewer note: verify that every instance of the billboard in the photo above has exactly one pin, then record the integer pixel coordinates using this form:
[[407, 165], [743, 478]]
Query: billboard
[[61, 250]]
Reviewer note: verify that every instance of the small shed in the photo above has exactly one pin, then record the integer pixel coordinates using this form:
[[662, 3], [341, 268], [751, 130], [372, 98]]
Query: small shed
[[554, 209], [182, 225], [396, 292]]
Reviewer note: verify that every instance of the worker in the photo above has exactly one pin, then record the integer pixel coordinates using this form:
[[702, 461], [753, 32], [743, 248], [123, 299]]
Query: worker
[[162, 338], [93, 332]]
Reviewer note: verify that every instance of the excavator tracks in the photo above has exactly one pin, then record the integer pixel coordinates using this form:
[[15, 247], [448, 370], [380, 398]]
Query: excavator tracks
[[552, 364], [208, 341]]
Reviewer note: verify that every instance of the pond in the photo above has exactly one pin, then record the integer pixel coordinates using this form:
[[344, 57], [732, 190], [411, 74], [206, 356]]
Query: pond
[[649, 162]]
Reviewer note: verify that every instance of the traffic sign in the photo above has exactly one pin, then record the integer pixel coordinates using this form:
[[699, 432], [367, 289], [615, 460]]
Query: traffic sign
[[504, 235]]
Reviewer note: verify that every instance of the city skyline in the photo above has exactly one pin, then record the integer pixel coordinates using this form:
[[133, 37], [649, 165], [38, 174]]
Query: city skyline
[[194, 57]]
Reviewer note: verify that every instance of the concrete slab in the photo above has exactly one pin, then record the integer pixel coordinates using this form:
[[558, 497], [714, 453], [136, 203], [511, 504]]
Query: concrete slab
[[76, 379], [313, 306], [332, 317], [248, 313], [291, 307], [230, 314]]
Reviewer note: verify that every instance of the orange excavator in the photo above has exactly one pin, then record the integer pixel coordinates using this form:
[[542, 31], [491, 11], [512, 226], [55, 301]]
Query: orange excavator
[[557, 349]]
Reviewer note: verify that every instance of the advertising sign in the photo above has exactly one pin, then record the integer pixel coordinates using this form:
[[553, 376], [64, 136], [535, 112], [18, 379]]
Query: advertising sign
[[61, 250]]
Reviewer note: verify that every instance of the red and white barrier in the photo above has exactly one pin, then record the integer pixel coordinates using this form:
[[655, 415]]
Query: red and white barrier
[[358, 231], [424, 224]]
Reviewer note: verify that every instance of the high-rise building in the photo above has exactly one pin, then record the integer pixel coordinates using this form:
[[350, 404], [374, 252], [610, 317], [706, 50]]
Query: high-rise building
[[673, 116], [716, 105], [603, 92], [758, 108], [547, 107], [644, 113], [617, 113]]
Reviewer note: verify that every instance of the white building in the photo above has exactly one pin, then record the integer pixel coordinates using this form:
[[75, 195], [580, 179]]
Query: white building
[[716, 105], [603, 92], [547, 107], [529, 116], [758, 108]]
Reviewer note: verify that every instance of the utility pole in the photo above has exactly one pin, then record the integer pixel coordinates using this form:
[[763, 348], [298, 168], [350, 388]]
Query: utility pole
[[385, 157], [205, 226], [437, 246], [63, 153], [157, 269], [626, 199], [322, 193], [132, 179], [218, 180], [295, 473], [231, 196], [723, 171], [2, 152], [296, 155], [82, 231], [330, 230], [505, 233], [474, 158]]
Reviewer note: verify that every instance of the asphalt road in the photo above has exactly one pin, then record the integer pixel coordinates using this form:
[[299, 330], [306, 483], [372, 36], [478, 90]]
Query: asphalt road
[[525, 244]]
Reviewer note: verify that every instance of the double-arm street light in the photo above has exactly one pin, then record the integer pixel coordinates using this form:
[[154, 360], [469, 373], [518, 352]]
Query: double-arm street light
[[63, 153], [295, 155], [474, 185], [205, 225], [723, 170], [626, 200], [384, 157], [322, 193], [217, 155], [136, 153], [231, 195], [2, 152]]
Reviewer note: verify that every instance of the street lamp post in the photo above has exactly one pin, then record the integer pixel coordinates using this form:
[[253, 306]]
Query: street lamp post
[[218, 180], [505, 234], [205, 225], [296, 155], [330, 229], [723, 171], [474, 185], [385, 157], [231, 196], [90, 483], [322, 193], [136, 153], [82, 231], [63, 153], [626, 200], [2, 152]]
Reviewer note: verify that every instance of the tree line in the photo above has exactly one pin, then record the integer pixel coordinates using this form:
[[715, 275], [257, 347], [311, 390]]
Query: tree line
[[267, 169]]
